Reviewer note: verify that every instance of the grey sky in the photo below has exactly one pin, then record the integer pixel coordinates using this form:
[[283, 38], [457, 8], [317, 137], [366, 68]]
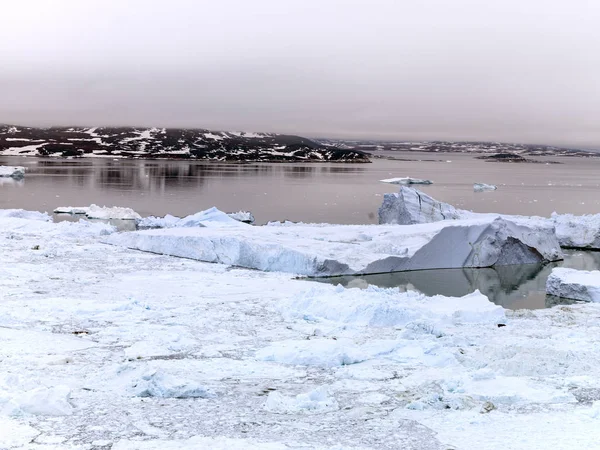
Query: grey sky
[[513, 70]]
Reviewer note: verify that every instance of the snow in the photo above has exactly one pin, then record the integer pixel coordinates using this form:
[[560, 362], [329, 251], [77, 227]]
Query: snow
[[480, 187], [100, 212], [102, 346], [410, 206], [406, 180], [338, 249], [12, 172], [575, 284]]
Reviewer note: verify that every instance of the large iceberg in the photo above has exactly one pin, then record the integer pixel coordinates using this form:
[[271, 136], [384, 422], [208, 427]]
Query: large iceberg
[[410, 206], [328, 250], [574, 284], [15, 172]]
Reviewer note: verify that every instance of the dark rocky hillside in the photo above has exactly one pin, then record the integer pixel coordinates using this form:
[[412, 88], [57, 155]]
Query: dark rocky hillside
[[171, 143]]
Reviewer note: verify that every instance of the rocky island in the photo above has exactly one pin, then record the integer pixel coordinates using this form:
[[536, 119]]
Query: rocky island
[[169, 143]]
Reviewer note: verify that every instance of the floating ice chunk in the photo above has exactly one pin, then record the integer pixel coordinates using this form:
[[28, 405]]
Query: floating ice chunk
[[314, 352], [100, 212], [574, 284], [159, 384], [313, 402], [406, 180], [480, 187], [15, 172]]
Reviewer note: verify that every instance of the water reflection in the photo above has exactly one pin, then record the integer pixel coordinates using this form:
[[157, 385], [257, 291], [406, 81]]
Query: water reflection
[[512, 287]]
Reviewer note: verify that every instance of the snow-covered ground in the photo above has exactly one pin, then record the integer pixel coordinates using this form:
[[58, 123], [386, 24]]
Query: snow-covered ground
[[103, 346]]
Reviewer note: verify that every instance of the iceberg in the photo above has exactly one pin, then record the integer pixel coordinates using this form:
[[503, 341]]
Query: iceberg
[[480, 187], [574, 284], [329, 250], [410, 206], [406, 180], [15, 172], [243, 216]]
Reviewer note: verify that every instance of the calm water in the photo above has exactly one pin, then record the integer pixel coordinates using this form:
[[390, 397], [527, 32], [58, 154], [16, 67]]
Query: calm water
[[336, 193], [513, 287]]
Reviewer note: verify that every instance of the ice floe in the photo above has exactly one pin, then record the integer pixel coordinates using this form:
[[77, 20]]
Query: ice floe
[[574, 284]]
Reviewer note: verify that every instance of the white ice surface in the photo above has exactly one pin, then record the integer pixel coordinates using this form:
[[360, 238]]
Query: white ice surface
[[574, 284], [90, 326]]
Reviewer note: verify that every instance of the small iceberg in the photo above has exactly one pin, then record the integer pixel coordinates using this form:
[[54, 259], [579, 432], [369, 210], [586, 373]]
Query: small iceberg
[[480, 187], [100, 212], [406, 181], [15, 172]]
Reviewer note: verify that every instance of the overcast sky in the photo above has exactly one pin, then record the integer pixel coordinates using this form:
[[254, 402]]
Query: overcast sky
[[511, 70]]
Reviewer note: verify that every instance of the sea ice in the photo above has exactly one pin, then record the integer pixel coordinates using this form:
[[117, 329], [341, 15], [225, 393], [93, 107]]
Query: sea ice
[[575, 284], [160, 384]]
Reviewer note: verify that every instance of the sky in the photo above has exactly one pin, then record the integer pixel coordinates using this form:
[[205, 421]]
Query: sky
[[502, 70]]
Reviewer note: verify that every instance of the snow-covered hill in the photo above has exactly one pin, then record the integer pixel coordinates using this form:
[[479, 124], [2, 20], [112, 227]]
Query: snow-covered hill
[[168, 143]]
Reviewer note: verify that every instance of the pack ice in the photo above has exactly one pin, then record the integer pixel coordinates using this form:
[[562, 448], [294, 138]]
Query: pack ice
[[326, 250], [15, 172], [574, 284], [410, 206]]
